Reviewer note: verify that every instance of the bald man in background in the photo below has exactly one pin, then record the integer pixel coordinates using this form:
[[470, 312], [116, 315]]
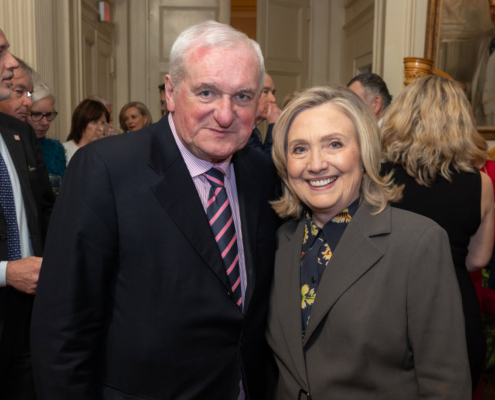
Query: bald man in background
[[267, 111]]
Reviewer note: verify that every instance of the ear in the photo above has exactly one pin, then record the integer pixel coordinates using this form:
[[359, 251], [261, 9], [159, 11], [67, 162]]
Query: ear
[[377, 104], [145, 120], [169, 93]]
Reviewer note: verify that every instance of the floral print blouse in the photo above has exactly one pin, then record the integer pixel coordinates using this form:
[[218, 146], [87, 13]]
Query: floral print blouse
[[318, 245]]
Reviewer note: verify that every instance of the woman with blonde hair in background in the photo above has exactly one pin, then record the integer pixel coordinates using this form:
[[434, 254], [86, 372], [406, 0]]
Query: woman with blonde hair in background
[[134, 116], [365, 303], [432, 147]]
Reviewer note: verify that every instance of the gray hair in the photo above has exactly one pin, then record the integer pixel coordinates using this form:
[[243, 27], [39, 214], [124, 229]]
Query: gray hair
[[42, 91], [210, 34], [33, 75], [101, 99], [373, 85]]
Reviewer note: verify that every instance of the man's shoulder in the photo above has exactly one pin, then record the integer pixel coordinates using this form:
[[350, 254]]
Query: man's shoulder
[[14, 123]]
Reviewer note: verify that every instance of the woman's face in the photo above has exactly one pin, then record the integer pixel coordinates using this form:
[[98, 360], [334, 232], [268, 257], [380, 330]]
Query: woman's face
[[134, 120], [95, 129], [44, 106], [323, 161]]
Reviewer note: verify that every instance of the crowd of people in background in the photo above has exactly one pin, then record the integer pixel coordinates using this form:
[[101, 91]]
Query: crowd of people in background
[[193, 257]]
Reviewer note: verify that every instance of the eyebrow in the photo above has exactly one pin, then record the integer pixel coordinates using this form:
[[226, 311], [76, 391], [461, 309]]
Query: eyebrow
[[213, 87], [20, 86], [322, 139]]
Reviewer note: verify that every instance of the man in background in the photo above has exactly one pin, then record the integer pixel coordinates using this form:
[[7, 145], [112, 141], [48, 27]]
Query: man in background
[[267, 111], [26, 201], [20, 100], [374, 92], [158, 268]]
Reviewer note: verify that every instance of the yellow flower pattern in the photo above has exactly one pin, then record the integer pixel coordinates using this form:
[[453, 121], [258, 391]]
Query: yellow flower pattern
[[307, 296], [342, 217], [316, 254]]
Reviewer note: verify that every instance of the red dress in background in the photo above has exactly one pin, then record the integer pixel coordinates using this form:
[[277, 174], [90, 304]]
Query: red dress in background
[[486, 296]]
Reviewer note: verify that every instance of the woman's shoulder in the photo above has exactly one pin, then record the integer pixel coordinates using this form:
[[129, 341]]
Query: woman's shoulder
[[287, 229], [411, 224]]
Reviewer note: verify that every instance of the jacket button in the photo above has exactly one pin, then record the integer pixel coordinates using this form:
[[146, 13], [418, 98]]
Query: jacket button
[[3, 238]]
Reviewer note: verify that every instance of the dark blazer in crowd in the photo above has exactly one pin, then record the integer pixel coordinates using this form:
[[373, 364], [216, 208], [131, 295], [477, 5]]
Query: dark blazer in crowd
[[133, 299], [256, 143], [38, 199], [387, 322]]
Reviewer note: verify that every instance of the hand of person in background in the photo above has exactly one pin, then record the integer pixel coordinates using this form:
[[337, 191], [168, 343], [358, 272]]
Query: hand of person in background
[[273, 113], [23, 274]]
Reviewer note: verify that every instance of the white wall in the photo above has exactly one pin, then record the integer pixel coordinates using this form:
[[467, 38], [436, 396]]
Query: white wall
[[404, 36]]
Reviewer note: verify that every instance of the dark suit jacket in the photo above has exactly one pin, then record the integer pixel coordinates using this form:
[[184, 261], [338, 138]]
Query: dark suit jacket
[[35, 186], [266, 147], [133, 299], [387, 321]]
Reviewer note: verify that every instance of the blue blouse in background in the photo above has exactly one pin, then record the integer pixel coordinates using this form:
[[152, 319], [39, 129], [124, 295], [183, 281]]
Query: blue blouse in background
[[54, 154]]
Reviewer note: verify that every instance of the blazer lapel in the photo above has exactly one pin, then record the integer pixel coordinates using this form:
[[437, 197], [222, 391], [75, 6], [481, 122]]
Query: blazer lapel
[[288, 292], [18, 156], [178, 195], [248, 192], [355, 254]]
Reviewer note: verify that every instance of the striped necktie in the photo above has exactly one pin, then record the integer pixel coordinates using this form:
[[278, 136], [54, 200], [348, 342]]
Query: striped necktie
[[221, 221], [8, 208]]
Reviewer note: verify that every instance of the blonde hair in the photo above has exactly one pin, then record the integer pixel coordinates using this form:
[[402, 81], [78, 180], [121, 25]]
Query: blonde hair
[[429, 128], [375, 189], [143, 110]]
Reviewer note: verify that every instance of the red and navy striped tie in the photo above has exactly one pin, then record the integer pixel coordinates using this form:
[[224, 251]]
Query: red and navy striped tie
[[8, 207], [221, 221]]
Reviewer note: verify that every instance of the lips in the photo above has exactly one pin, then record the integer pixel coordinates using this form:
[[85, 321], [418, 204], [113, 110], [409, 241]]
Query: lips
[[317, 183]]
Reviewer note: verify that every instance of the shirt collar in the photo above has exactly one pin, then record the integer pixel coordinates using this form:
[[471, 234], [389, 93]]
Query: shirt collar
[[196, 166]]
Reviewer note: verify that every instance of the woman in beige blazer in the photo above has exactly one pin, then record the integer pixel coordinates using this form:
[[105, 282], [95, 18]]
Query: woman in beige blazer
[[365, 302]]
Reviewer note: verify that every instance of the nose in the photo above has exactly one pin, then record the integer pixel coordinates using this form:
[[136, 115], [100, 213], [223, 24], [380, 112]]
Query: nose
[[271, 97], [44, 121], [11, 63], [224, 113], [27, 102], [316, 162]]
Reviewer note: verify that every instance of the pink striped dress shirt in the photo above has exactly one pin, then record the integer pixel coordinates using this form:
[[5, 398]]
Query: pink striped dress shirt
[[197, 168]]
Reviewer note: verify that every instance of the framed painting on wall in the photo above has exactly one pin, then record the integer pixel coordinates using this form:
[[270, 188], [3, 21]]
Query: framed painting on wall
[[460, 39]]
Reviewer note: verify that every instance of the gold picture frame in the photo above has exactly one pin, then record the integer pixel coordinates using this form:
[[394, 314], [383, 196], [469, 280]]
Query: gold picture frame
[[432, 41]]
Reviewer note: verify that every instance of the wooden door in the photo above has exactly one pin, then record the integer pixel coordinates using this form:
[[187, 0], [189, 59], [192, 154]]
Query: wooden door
[[168, 18], [283, 34], [98, 70]]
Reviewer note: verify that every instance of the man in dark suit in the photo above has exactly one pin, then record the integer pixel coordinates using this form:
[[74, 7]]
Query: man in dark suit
[[26, 201], [267, 111], [160, 254]]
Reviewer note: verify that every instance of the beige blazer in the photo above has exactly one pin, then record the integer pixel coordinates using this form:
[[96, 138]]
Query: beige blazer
[[387, 321]]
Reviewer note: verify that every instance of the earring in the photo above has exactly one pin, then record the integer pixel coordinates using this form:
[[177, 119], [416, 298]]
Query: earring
[[364, 173]]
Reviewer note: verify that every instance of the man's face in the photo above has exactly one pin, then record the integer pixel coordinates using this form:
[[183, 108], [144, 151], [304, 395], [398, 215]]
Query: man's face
[[373, 102], [267, 98], [492, 11], [19, 102], [163, 102], [7, 65], [357, 88], [214, 107]]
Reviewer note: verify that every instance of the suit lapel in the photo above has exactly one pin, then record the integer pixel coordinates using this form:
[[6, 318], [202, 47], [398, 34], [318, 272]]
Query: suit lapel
[[355, 254], [248, 192], [288, 292], [18, 156], [178, 195]]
